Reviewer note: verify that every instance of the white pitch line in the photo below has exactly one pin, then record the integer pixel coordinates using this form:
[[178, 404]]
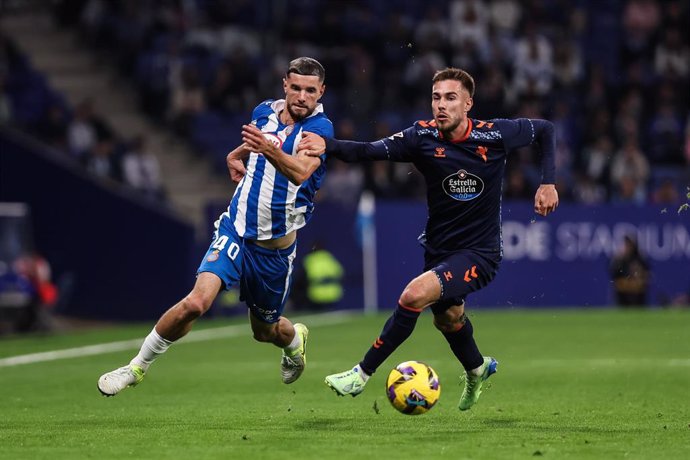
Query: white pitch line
[[324, 319]]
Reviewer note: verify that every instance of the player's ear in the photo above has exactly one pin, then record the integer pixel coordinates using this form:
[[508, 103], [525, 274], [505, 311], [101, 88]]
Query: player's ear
[[321, 91], [285, 85], [468, 104]]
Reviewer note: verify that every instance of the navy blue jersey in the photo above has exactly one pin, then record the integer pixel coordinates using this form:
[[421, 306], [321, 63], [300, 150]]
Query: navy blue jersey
[[464, 177]]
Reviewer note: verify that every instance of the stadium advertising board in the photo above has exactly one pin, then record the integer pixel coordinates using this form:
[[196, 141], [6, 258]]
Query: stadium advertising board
[[562, 260]]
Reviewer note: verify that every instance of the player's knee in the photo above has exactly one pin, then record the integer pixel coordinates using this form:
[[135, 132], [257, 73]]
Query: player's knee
[[413, 297], [450, 321], [193, 306], [267, 334]]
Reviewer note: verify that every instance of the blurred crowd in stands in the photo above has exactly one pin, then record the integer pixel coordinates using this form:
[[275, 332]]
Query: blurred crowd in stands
[[84, 136], [613, 75]]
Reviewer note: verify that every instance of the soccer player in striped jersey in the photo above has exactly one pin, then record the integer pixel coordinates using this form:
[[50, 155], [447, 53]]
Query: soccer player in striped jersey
[[254, 242], [463, 162]]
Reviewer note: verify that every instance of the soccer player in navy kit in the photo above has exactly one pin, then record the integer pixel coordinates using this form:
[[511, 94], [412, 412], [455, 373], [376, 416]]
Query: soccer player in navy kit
[[463, 162], [254, 243]]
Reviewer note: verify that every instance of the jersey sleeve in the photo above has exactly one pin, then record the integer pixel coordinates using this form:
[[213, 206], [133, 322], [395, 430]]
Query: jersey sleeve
[[397, 147], [261, 110], [321, 126], [324, 128], [522, 132]]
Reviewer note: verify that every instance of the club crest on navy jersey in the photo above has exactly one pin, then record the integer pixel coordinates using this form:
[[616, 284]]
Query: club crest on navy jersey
[[463, 186]]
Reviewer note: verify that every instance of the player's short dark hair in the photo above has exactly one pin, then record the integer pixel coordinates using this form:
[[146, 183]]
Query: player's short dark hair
[[451, 73], [307, 66]]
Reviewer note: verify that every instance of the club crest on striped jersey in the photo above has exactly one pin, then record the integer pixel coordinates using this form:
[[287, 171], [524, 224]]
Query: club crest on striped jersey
[[273, 139], [463, 186]]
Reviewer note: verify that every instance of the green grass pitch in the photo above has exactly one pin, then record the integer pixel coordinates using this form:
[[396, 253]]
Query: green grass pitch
[[599, 384]]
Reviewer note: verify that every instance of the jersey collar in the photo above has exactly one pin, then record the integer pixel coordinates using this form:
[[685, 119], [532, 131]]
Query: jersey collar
[[464, 136]]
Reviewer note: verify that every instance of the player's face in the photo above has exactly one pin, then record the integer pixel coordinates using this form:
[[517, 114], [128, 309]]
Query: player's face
[[302, 93], [450, 102]]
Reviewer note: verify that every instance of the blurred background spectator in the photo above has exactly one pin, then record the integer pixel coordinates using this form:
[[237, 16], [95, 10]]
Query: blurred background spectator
[[44, 293], [630, 273], [27, 291], [319, 280], [141, 170]]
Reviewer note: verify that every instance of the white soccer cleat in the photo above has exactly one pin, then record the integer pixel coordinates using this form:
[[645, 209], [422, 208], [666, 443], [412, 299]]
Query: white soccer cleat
[[115, 381], [292, 366]]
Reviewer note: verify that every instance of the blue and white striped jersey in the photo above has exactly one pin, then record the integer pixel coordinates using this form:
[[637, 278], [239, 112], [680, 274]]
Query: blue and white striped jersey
[[266, 204]]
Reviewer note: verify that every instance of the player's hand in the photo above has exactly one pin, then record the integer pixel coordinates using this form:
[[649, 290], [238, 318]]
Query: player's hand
[[255, 139], [235, 163], [236, 168], [311, 144], [546, 199]]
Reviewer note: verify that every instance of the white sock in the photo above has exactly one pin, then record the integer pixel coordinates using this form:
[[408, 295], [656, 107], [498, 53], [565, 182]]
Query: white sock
[[363, 374], [478, 371], [153, 346], [294, 345]]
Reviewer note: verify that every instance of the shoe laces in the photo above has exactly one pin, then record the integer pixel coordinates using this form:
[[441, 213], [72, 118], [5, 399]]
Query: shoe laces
[[123, 371], [352, 375], [289, 361], [471, 382]]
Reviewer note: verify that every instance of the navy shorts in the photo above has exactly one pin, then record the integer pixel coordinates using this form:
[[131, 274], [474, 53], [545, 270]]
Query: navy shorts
[[461, 273], [264, 275]]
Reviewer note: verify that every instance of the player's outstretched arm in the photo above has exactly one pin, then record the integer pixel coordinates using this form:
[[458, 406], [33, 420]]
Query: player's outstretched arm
[[297, 168], [546, 199], [524, 131], [235, 162], [397, 147]]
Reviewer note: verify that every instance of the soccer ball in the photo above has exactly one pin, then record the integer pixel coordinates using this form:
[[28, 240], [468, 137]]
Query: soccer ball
[[413, 387]]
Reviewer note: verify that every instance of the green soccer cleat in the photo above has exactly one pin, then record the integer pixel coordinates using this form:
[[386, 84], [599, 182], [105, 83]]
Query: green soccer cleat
[[115, 381], [346, 383], [473, 383], [292, 366]]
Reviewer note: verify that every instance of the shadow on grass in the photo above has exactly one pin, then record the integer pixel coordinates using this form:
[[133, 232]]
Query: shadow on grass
[[517, 423], [437, 429]]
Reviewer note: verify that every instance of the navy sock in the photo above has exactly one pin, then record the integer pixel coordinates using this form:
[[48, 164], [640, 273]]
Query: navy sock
[[463, 345], [396, 330]]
